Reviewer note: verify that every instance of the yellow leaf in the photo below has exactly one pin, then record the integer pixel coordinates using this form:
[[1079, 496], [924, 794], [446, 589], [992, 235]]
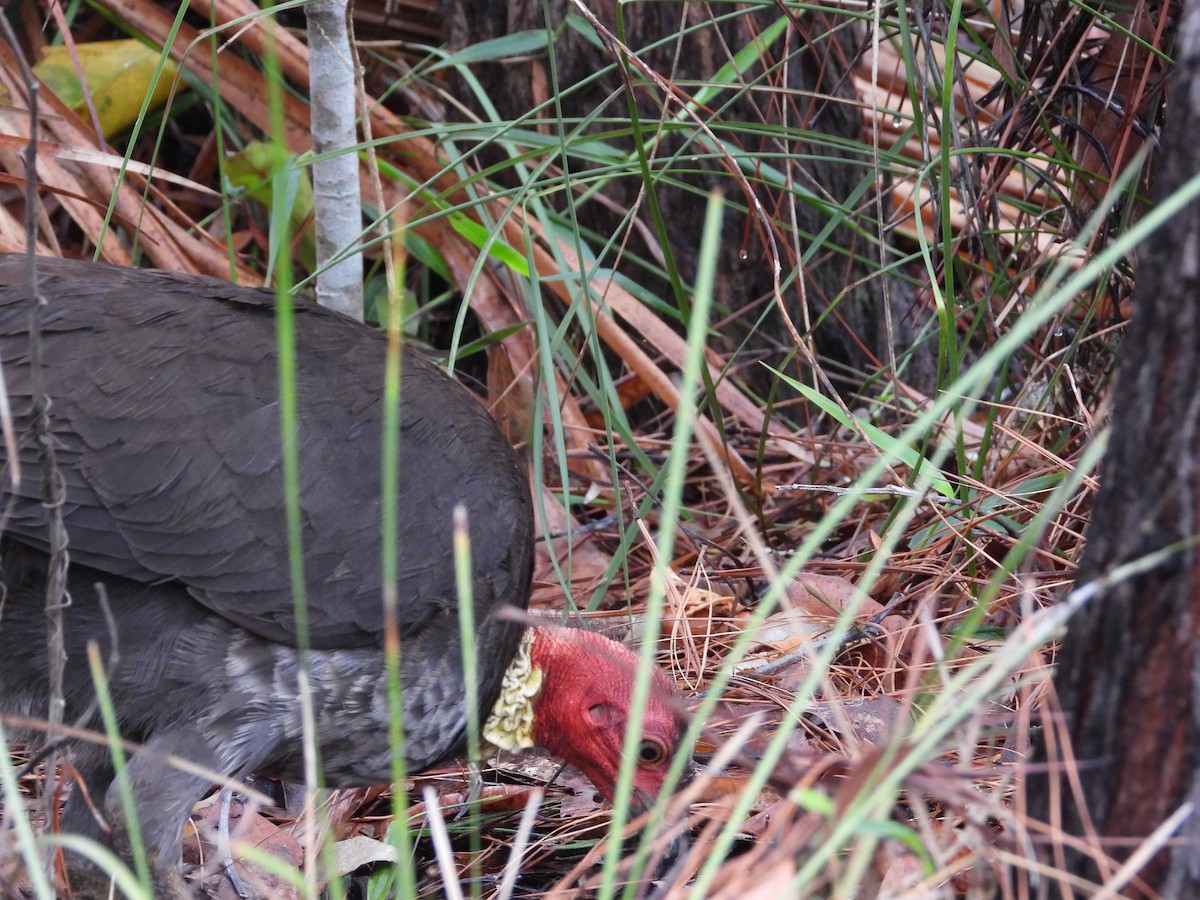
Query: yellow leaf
[[118, 76]]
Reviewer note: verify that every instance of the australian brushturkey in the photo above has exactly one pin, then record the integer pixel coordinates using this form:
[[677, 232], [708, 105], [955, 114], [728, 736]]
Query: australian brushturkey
[[166, 425]]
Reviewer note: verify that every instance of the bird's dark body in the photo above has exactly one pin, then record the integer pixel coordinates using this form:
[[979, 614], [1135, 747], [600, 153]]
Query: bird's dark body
[[165, 415]]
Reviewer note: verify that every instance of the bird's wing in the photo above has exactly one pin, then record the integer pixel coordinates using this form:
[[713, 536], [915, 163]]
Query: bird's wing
[[166, 418]]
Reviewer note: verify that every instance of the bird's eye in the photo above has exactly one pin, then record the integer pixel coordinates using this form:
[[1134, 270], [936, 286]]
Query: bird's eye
[[651, 752]]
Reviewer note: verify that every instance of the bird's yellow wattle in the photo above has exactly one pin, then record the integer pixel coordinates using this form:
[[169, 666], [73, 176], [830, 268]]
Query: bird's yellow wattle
[[510, 724]]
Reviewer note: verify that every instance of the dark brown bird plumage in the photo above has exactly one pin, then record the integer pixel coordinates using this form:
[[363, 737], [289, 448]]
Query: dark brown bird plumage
[[165, 417]]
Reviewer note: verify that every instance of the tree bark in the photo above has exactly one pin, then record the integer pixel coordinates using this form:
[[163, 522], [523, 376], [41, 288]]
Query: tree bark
[[336, 193], [799, 85], [1127, 679]]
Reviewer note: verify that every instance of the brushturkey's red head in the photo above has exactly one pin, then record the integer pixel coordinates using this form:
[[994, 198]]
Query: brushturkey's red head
[[569, 691]]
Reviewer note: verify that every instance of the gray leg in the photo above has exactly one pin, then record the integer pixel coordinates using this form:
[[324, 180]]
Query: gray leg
[[163, 797]]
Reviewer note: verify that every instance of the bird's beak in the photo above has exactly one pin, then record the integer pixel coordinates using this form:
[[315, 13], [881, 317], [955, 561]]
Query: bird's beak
[[669, 849], [641, 801]]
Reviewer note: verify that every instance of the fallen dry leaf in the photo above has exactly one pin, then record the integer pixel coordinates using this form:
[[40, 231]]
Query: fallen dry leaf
[[247, 829], [360, 850]]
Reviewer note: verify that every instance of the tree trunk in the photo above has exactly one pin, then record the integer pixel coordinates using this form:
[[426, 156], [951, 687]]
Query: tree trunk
[[1127, 679], [799, 86]]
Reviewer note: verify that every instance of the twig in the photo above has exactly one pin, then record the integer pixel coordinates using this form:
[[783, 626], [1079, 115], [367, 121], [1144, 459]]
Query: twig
[[224, 847], [443, 852], [887, 489], [512, 868]]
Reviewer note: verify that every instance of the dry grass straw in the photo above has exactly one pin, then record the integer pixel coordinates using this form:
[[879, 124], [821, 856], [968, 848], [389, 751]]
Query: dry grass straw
[[953, 826]]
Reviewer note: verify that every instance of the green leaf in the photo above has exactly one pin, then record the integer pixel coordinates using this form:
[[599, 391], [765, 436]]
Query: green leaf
[[519, 43], [482, 238], [257, 171]]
